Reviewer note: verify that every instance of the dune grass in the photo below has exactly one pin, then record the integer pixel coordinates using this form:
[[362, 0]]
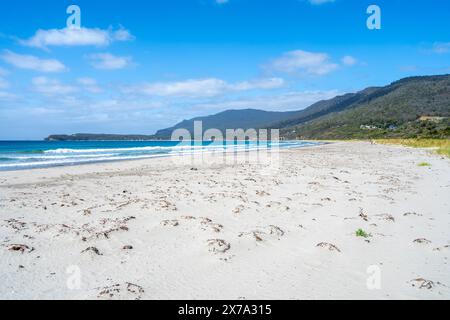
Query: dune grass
[[442, 146], [424, 164], [362, 233]]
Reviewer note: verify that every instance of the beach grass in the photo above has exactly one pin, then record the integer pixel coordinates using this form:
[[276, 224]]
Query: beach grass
[[424, 164], [362, 233], [442, 146]]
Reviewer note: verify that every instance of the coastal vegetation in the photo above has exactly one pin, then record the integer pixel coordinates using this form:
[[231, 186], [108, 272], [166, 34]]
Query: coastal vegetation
[[424, 164], [362, 233], [411, 108], [440, 146]]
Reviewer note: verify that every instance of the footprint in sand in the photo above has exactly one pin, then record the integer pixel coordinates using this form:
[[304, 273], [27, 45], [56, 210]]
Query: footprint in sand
[[238, 209], [103, 228], [262, 193], [16, 224], [204, 223], [422, 283], [386, 217], [264, 233], [92, 250], [406, 214], [188, 218], [171, 223], [363, 215], [210, 224], [218, 246], [328, 246], [123, 291], [163, 205], [422, 241], [22, 248], [277, 204], [446, 247]]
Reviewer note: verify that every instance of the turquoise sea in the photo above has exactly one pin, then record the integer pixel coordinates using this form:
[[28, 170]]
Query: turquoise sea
[[15, 155]]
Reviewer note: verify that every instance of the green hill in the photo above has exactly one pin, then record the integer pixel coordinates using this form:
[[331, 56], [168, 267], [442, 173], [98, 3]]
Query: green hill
[[399, 110], [231, 119]]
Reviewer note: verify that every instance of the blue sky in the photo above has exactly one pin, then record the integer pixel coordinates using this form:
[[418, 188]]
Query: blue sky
[[137, 66]]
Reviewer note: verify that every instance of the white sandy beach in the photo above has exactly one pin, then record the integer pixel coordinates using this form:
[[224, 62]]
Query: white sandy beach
[[161, 229]]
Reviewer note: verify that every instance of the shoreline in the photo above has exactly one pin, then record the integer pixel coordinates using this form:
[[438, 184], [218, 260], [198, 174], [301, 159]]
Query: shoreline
[[157, 156], [214, 230]]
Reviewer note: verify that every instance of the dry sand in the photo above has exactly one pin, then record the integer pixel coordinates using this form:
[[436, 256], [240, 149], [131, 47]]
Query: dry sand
[[161, 229]]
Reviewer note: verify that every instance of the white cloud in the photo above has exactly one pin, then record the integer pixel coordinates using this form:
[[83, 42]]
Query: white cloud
[[303, 62], [87, 81], [3, 72], [76, 37], [122, 35], [288, 101], [32, 63], [51, 86], [409, 68], [441, 47], [318, 2], [107, 61], [349, 61], [127, 105], [4, 84], [265, 84], [6, 96], [90, 85], [196, 88], [188, 88]]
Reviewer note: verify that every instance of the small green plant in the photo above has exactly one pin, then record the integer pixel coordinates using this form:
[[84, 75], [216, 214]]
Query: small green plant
[[362, 233], [424, 164]]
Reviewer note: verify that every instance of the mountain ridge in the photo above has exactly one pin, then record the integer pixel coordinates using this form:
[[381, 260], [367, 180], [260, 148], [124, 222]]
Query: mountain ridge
[[397, 110]]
